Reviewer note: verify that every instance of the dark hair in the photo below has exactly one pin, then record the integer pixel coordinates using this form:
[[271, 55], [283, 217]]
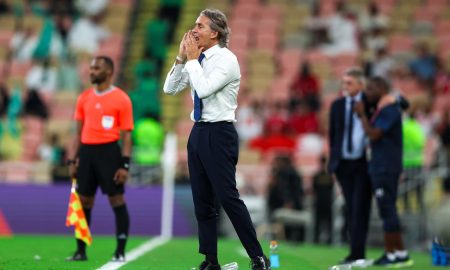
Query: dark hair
[[380, 83], [108, 61], [219, 24]]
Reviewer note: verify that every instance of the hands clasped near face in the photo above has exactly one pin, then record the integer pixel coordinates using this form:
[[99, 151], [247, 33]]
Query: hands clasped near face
[[189, 47]]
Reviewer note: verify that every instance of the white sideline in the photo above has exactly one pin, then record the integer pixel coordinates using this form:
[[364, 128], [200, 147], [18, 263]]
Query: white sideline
[[169, 159], [136, 253]]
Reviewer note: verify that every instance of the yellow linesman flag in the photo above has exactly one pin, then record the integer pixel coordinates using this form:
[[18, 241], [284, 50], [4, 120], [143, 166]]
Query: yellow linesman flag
[[75, 217]]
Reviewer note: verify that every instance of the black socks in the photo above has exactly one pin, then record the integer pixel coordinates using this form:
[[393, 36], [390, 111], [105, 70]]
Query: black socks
[[122, 227], [212, 258]]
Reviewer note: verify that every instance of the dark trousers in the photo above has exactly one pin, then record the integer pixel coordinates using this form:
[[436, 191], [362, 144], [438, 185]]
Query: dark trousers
[[323, 220], [213, 152], [385, 187], [353, 177]]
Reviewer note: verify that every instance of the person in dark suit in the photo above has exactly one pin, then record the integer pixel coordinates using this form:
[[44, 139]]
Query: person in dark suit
[[348, 161], [286, 191], [384, 130], [212, 71], [323, 203]]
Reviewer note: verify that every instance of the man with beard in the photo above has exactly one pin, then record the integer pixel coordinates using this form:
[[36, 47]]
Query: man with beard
[[212, 71], [103, 116]]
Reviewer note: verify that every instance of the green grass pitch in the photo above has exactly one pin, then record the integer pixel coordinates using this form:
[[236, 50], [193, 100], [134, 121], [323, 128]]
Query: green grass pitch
[[48, 252]]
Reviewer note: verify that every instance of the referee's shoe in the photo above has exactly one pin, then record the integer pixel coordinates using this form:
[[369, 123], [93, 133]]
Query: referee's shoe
[[77, 257]]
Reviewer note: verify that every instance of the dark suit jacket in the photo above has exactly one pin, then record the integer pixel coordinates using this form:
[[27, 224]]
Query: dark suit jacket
[[337, 128]]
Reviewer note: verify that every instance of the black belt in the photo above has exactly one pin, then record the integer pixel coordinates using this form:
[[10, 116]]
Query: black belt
[[200, 124]]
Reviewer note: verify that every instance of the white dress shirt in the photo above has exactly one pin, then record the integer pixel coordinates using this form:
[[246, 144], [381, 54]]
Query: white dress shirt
[[216, 82], [358, 136]]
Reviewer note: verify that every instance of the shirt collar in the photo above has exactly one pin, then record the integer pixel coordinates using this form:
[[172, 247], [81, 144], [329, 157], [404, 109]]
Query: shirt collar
[[211, 51], [357, 97]]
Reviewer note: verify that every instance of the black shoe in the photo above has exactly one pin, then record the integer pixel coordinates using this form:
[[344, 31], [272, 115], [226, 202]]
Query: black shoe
[[384, 261], [260, 263], [205, 265], [77, 257]]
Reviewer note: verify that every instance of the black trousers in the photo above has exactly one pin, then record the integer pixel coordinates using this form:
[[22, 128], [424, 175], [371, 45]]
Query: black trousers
[[355, 183], [213, 152]]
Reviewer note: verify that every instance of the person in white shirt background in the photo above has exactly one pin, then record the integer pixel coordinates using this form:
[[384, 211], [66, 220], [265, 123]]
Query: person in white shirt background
[[212, 71]]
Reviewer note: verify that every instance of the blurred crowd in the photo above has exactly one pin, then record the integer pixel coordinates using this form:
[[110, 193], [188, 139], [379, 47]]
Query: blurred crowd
[[45, 64]]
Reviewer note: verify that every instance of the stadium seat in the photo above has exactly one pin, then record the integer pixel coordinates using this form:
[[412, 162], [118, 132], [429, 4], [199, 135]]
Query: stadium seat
[[5, 37], [16, 172], [400, 43]]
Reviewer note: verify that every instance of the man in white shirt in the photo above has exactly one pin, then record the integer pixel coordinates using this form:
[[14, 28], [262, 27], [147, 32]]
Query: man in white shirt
[[212, 71]]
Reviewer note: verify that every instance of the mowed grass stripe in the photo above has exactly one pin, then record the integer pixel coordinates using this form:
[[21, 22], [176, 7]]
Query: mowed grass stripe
[[178, 254], [49, 252]]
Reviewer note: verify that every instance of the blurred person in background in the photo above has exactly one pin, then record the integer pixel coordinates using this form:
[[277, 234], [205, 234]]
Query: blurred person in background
[[382, 65], [348, 161], [206, 64], [4, 7], [276, 131], [317, 27], [86, 35], [286, 192], [375, 40], [442, 84], [276, 120], [43, 78], [373, 19], [250, 120], [384, 131], [303, 120], [323, 203], [34, 105], [424, 65], [306, 87], [103, 116], [440, 217], [4, 103], [443, 130], [148, 143], [55, 154], [91, 7], [342, 31], [23, 42], [414, 141]]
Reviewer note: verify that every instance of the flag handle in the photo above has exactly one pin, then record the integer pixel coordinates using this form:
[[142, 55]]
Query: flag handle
[[74, 184]]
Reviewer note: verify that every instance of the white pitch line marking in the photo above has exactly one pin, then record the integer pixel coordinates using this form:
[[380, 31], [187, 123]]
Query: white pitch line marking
[[136, 253]]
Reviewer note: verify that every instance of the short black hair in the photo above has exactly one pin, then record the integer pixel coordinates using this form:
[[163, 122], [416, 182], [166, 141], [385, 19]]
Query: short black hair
[[108, 61], [381, 83]]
